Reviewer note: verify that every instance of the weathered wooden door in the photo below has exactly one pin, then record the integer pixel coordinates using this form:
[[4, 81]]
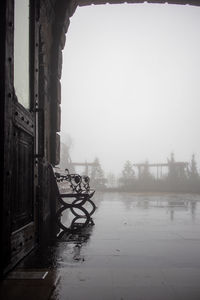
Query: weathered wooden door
[[24, 129]]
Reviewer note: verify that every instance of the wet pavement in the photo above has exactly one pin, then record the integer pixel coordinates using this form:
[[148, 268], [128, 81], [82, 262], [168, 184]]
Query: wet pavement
[[142, 247]]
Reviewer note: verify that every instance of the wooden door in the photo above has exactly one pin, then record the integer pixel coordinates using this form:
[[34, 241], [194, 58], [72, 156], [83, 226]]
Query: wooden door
[[24, 164]]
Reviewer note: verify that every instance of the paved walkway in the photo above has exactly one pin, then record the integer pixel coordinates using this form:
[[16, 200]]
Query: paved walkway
[[142, 247]]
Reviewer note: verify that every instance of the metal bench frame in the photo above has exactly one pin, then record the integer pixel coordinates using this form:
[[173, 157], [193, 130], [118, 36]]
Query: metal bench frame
[[81, 193]]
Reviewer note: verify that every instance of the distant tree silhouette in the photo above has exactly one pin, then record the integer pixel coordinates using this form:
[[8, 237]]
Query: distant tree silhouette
[[128, 176], [97, 178], [128, 172], [192, 171]]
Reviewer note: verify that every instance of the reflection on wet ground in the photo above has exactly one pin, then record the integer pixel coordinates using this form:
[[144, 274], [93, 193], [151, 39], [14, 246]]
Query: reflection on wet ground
[[143, 246]]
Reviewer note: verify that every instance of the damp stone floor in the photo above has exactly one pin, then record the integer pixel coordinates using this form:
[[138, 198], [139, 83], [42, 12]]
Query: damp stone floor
[[142, 247]]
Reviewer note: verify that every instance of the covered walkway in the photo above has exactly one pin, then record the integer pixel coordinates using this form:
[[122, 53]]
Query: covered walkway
[[142, 246]]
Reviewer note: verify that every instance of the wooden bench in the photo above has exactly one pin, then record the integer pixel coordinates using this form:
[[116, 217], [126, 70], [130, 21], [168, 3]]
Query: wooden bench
[[73, 192]]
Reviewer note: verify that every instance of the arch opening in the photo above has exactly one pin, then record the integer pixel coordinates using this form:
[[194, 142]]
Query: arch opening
[[129, 84]]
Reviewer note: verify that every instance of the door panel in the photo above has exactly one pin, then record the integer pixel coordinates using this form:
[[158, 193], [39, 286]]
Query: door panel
[[23, 192], [22, 207]]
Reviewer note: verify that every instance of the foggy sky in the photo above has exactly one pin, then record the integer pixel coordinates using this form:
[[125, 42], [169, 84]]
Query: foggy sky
[[131, 83]]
